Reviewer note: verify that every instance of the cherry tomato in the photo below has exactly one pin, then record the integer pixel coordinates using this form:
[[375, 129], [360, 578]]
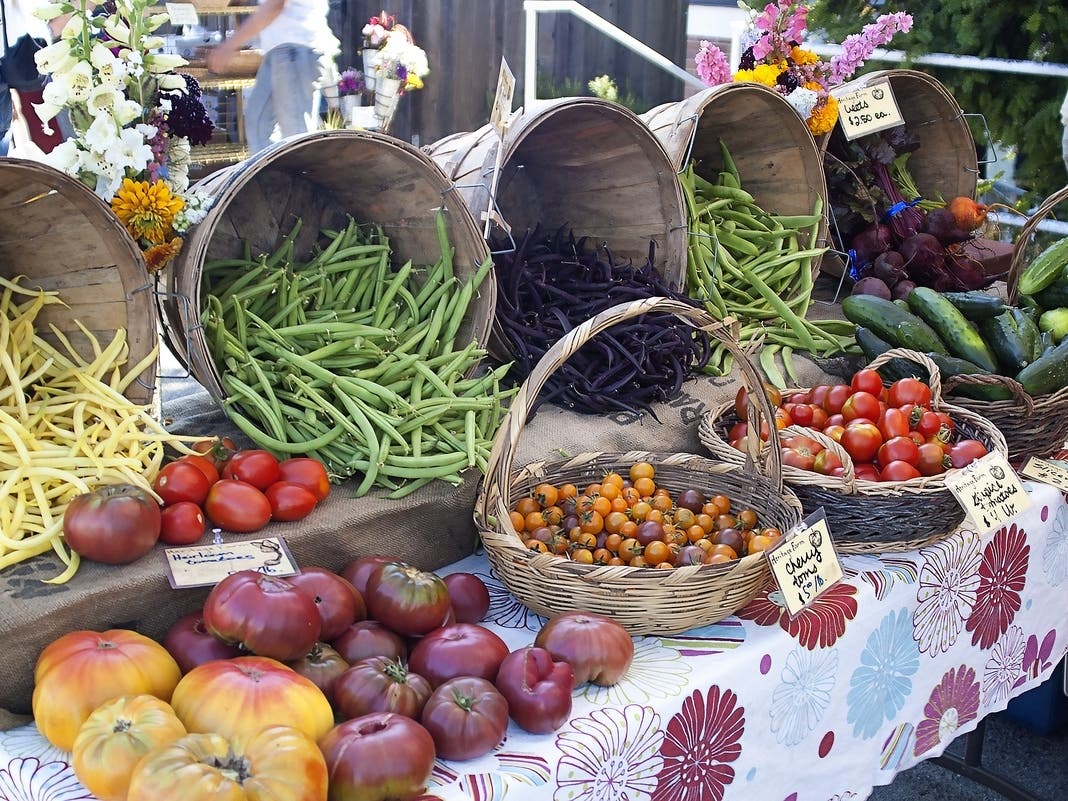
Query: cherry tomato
[[837, 395], [836, 419], [893, 423], [308, 473], [741, 400], [818, 394], [965, 452], [237, 506], [182, 523], [819, 417], [800, 397], [948, 427], [898, 471], [289, 501], [801, 413], [909, 390], [738, 431], [861, 441], [928, 424], [204, 464], [898, 449], [181, 481], [866, 471], [861, 404], [867, 380], [256, 467], [932, 459]]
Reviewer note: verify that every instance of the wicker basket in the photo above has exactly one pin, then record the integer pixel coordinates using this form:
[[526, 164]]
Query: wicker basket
[[871, 516], [643, 600], [1032, 426]]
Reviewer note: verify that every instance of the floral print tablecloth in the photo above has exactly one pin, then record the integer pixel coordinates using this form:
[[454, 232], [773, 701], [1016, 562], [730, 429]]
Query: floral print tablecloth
[[906, 653]]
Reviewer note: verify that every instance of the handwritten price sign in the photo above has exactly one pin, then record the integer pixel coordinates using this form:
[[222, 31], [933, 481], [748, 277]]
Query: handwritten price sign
[[1053, 473], [805, 564], [989, 492], [868, 110], [207, 565]]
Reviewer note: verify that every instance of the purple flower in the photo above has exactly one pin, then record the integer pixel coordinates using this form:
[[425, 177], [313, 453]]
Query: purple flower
[[350, 82], [952, 704], [712, 66], [858, 47]]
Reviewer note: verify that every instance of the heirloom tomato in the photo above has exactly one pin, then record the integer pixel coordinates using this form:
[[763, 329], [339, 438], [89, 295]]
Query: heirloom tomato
[[322, 666], [359, 570], [237, 506], [380, 684], [861, 405], [898, 471], [181, 481], [308, 473], [256, 467], [861, 440], [537, 688], [468, 595], [406, 599], [458, 649], [909, 390], [378, 757], [932, 459], [898, 449], [289, 501], [114, 738], [238, 697], [367, 638], [190, 643], [339, 603], [266, 615], [467, 716], [182, 523], [114, 524], [597, 648], [966, 451], [81, 670], [273, 763]]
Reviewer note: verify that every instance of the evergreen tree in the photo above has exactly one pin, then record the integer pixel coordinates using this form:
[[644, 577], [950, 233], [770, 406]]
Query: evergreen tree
[[1019, 109]]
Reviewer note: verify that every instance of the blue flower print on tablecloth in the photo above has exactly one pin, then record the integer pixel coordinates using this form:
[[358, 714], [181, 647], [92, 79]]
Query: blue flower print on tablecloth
[[818, 625], [655, 673], [948, 582], [799, 701], [611, 754], [1055, 554], [700, 742], [953, 703], [1004, 666], [30, 779], [28, 741], [1036, 657], [1002, 576], [883, 573], [881, 683]]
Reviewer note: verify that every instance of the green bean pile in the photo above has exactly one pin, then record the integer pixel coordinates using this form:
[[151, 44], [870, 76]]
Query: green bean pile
[[746, 263], [354, 361]]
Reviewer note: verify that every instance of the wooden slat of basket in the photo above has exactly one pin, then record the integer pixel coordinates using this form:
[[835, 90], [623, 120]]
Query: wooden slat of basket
[[643, 600]]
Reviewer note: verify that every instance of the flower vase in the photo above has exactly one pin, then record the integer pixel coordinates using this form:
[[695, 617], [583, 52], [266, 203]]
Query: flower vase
[[348, 104], [387, 93], [370, 62]]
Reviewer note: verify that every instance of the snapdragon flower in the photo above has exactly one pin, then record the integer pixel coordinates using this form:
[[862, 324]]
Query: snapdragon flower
[[712, 66], [858, 47]]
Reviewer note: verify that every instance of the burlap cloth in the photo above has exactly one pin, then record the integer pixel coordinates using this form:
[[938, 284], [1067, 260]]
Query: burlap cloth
[[430, 528]]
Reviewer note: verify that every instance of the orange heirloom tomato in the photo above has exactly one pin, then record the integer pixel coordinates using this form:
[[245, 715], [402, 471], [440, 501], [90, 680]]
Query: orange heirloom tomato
[[81, 670], [238, 697], [115, 737], [276, 762]]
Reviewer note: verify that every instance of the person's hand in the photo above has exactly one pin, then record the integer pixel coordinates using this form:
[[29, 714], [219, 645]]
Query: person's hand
[[219, 57]]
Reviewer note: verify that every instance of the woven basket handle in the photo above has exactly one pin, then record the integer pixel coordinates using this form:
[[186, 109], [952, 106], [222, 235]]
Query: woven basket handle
[[934, 380], [849, 477], [506, 440], [1019, 248], [1019, 394]]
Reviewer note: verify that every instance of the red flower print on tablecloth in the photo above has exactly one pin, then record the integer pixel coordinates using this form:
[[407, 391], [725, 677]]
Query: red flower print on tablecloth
[[1002, 575], [700, 742], [954, 702], [819, 625], [1036, 658]]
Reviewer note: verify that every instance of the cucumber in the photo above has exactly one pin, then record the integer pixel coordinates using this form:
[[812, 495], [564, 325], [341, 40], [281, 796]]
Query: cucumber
[[1044, 270], [1056, 322], [899, 327], [872, 346], [955, 330], [976, 305], [951, 365], [1048, 373], [1028, 328], [1014, 349], [1052, 297]]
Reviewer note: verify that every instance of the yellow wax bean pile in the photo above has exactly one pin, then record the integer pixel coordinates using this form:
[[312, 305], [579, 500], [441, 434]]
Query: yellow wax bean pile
[[65, 428]]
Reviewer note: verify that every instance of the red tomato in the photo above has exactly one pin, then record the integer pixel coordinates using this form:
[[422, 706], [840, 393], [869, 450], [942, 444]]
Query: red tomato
[[597, 647], [819, 417], [237, 506], [837, 395], [909, 390], [799, 397], [367, 638], [380, 684], [741, 400], [867, 380], [898, 449], [947, 427], [468, 595], [893, 423], [738, 431], [114, 524], [218, 449], [835, 420], [927, 424], [289, 501], [466, 716], [322, 666], [190, 643], [339, 603], [181, 481], [801, 414], [204, 464], [256, 467], [406, 599], [827, 462], [799, 458], [834, 432], [268, 616], [818, 394], [861, 404], [308, 473], [861, 441], [898, 471], [182, 523], [965, 452], [458, 649], [866, 471], [378, 756], [932, 459], [537, 688]]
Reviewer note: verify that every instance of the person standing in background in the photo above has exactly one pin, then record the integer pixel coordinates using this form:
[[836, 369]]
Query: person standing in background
[[18, 20], [298, 52]]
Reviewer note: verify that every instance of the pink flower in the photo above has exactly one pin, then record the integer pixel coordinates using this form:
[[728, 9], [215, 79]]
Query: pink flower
[[858, 47], [712, 66]]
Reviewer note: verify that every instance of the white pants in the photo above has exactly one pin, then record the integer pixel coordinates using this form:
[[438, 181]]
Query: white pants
[[285, 95]]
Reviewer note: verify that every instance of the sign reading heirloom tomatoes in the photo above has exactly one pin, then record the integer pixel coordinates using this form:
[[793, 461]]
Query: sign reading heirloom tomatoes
[[1053, 473], [989, 492], [805, 564], [207, 565]]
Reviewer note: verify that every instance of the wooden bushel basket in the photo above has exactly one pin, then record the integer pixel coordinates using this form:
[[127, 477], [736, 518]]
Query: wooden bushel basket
[[777, 158], [62, 237], [321, 177], [643, 600]]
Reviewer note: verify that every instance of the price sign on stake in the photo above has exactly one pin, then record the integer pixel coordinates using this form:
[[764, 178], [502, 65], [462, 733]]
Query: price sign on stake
[[1052, 473], [502, 101], [989, 492], [182, 13], [805, 564], [868, 110], [207, 565]]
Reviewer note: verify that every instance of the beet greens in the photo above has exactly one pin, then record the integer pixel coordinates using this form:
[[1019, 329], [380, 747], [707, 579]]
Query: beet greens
[[552, 283]]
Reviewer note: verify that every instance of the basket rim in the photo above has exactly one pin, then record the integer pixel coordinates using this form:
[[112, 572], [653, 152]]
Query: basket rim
[[1012, 280]]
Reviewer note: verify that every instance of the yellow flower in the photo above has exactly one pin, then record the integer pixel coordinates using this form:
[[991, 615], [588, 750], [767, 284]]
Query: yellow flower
[[804, 56], [146, 209], [159, 256], [413, 81], [823, 116]]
